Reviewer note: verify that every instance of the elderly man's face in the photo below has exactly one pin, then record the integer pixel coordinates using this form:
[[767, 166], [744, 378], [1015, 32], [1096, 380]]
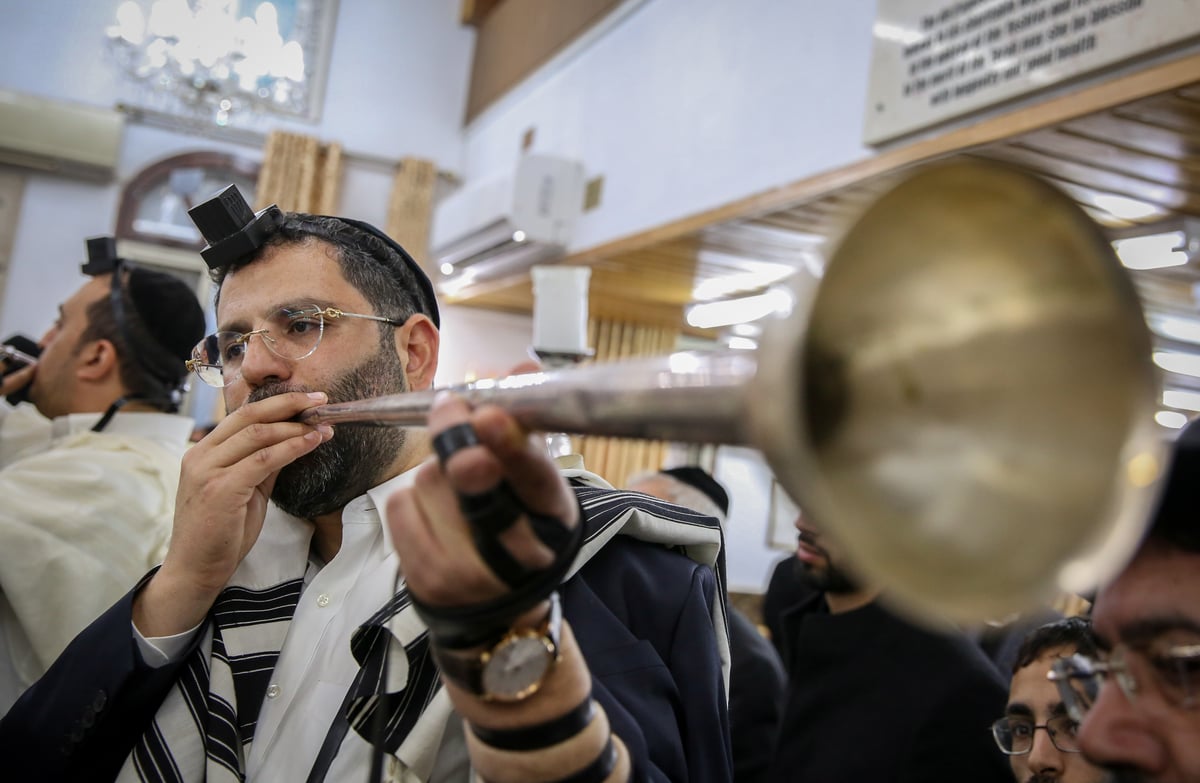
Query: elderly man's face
[[1033, 700], [1151, 609]]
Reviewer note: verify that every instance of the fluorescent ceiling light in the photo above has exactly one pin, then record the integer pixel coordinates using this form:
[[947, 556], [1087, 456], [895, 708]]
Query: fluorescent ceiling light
[[717, 287], [708, 315], [1153, 251], [1171, 419], [1125, 208], [1188, 401], [1183, 329], [742, 343], [1182, 363], [746, 330]]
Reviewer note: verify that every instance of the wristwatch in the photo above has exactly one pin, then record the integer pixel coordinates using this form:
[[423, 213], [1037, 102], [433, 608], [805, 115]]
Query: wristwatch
[[514, 667]]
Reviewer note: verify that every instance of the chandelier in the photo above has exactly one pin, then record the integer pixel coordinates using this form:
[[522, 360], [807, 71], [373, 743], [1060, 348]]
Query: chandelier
[[205, 58]]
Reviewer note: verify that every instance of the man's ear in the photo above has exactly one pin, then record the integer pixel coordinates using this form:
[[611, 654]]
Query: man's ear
[[96, 360], [417, 344]]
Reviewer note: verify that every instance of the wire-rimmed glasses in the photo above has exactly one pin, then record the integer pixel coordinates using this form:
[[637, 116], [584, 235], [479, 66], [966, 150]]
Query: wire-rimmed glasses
[[1173, 671], [291, 332], [1014, 734]]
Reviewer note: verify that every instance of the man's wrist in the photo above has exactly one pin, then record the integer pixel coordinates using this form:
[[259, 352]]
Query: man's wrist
[[168, 605]]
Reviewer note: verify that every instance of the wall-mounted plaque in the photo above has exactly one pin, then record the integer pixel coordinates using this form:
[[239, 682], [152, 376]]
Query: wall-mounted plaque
[[935, 60]]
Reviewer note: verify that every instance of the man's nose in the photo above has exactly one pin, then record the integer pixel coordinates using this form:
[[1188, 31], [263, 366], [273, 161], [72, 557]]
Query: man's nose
[[1043, 756], [261, 365], [1115, 732]]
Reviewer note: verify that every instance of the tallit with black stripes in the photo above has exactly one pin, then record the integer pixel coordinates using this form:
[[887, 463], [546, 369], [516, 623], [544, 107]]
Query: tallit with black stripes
[[205, 727]]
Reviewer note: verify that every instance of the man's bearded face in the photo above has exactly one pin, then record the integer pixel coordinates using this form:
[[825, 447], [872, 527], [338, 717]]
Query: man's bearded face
[[357, 457]]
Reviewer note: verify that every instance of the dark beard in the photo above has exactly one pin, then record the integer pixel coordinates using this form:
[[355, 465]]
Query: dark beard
[[357, 457], [828, 578]]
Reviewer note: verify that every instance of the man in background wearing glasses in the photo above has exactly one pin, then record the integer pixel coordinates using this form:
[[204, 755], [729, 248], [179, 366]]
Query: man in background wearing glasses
[[89, 464], [1036, 732], [1138, 701]]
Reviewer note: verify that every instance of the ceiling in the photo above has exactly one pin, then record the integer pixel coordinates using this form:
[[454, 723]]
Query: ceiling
[[1141, 144]]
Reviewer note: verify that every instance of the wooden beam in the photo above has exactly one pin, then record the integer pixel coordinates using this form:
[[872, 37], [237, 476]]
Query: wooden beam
[[473, 12]]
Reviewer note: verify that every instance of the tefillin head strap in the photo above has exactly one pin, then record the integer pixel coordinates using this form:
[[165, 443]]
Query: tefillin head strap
[[233, 231], [157, 364]]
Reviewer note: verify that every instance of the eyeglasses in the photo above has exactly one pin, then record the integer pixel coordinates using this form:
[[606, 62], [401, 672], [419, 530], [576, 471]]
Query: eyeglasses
[[1014, 735], [1173, 671], [292, 332]]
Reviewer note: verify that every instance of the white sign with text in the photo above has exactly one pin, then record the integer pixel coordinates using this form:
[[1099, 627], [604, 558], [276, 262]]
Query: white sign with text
[[933, 60]]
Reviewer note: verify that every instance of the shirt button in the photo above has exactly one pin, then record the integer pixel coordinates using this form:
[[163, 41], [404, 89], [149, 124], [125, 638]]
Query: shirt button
[[272, 691], [323, 600]]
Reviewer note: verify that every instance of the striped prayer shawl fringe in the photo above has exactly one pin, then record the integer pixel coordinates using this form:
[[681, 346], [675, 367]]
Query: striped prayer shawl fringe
[[219, 693], [402, 703]]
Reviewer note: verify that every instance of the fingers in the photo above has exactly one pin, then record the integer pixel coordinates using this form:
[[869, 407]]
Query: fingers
[[437, 555], [436, 542], [507, 452], [265, 434], [17, 379]]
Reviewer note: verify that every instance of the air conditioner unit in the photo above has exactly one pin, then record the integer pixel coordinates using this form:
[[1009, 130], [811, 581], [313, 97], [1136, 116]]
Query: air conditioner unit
[[61, 138], [505, 224]]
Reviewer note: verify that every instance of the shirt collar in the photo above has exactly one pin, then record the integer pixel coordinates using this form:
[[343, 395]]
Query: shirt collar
[[147, 424], [373, 505]]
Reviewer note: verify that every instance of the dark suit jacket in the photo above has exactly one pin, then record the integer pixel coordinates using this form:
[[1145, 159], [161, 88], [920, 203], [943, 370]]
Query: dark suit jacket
[[757, 687], [654, 666]]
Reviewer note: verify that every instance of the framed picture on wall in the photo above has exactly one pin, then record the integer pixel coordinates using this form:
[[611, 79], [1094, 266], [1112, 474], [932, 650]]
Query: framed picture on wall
[[781, 514]]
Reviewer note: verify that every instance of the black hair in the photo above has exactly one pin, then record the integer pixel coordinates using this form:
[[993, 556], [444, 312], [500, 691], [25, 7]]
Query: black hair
[[1073, 632], [378, 271], [1176, 521], [162, 321]]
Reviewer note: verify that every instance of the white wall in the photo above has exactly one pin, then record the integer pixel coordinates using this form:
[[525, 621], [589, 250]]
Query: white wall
[[685, 105], [748, 557], [397, 86], [689, 104], [481, 344]]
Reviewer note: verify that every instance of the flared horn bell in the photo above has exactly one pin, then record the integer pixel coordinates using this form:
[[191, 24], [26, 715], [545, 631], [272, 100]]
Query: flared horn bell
[[975, 396], [965, 405]]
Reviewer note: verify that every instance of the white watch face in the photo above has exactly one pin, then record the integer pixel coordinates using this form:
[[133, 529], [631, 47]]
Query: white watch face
[[517, 667]]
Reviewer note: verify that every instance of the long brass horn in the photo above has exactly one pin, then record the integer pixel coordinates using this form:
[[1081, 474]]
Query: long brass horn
[[966, 404]]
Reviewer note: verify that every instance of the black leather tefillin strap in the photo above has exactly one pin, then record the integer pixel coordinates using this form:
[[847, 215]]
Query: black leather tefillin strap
[[464, 627]]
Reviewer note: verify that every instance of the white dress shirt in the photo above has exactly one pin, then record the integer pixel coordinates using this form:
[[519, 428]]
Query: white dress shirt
[[316, 668]]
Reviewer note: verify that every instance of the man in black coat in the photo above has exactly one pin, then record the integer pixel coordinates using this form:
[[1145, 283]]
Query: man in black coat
[[756, 677], [872, 697]]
